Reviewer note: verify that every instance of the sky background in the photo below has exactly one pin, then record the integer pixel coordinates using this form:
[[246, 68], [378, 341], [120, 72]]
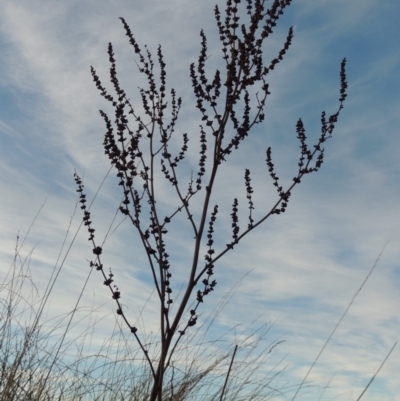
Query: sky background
[[306, 265]]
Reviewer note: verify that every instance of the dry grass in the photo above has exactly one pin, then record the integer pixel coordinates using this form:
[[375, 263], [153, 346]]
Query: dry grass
[[39, 361]]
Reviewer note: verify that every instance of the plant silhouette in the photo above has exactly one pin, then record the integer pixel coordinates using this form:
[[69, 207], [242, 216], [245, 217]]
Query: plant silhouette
[[228, 112]]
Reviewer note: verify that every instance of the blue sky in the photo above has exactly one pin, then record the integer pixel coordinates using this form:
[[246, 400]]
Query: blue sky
[[307, 264]]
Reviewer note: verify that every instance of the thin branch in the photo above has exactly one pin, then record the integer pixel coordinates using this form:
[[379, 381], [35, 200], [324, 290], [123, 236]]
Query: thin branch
[[227, 375]]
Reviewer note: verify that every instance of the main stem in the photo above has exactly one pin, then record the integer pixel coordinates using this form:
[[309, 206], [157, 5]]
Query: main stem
[[157, 388]]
